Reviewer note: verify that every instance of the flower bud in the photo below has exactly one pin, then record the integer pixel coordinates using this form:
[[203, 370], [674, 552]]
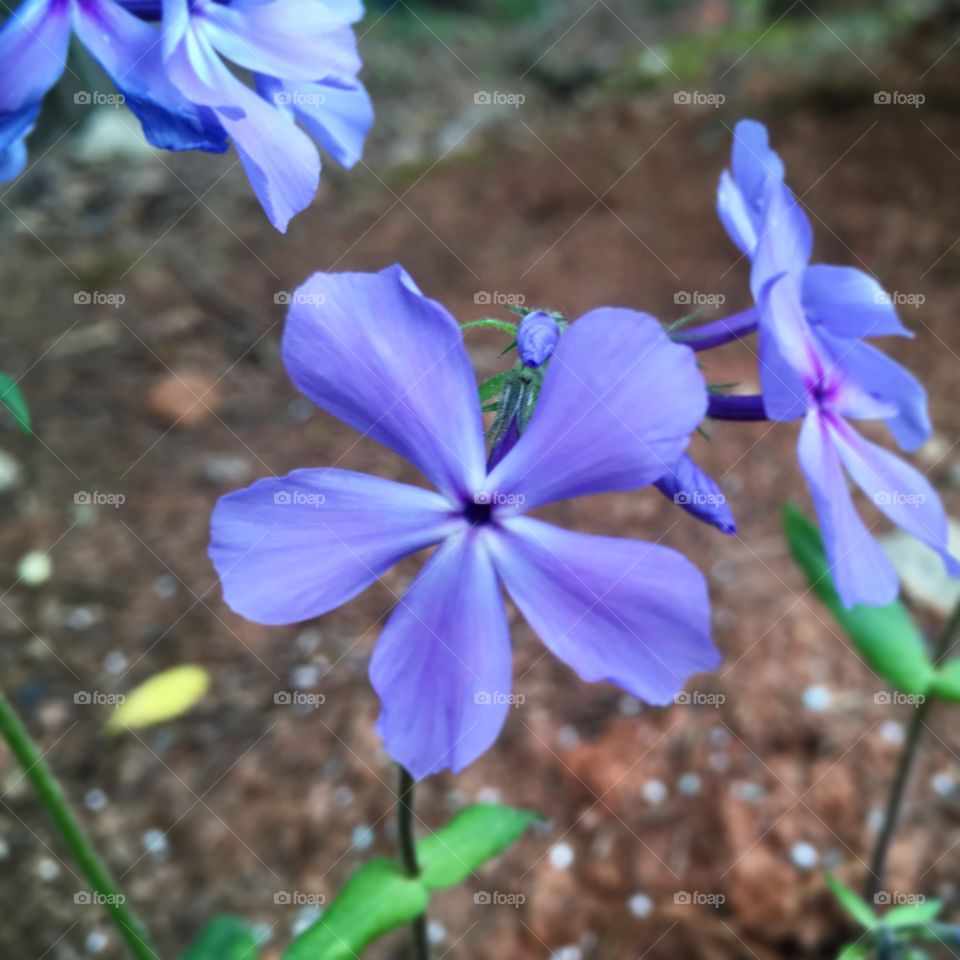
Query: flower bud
[[537, 337]]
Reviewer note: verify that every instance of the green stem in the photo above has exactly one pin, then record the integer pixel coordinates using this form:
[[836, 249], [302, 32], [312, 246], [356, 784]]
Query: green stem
[[55, 802], [908, 755], [408, 857]]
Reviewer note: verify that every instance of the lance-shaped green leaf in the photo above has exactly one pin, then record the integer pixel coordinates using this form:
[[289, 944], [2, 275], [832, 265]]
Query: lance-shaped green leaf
[[855, 905], [886, 637], [472, 837], [378, 898], [12, 398], [225, 938], [913, 914]]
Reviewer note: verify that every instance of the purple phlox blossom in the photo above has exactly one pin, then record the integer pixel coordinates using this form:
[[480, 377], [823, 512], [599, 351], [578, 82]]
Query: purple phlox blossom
[[618, 403], [691, 488], [301, 53], [537, 337]]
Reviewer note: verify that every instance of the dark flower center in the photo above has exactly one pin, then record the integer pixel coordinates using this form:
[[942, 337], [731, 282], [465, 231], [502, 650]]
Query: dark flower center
[[478, 514]]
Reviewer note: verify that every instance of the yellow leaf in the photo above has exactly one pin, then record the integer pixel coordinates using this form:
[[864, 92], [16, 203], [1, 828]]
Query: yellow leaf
[[162, 697]]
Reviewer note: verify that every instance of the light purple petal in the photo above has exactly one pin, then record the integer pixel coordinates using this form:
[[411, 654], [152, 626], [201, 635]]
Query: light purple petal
[[861, 570], [289, 39], [618, 405], [370, 350], [849, 303], [13, 160], [442, 665], [785, 242], [735, 215], [291, 548], [633, 613], [882, 377], [691, 488], [898, 490]]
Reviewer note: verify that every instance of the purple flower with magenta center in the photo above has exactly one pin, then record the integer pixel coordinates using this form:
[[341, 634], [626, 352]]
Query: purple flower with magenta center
[[618, 404]]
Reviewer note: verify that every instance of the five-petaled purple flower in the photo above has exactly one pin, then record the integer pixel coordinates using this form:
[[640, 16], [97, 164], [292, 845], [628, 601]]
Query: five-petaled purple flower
[[618, 404], [814, 364], [302, 55]]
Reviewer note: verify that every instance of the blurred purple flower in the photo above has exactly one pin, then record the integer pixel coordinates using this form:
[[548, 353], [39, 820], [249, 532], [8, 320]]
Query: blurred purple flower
[[292, 548]]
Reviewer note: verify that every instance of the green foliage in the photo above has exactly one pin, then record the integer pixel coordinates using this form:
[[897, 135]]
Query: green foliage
[[855, 905], [886, 637], [379, 897], [12, 398], [225, 938]]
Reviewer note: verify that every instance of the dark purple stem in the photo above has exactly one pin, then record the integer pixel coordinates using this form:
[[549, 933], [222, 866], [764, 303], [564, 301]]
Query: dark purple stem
[[719, 332], [723, 407]]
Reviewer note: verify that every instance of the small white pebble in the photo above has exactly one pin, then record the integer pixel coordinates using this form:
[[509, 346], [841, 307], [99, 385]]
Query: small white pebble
[[155, 841], [11, 474], [567, 953], [655, 792], [305, 676], [567, 737], [817, 698], [436, 933], [719, 736], [488, 795], [301, 410], [81, 618], [455, 799], [718, 761], [874, 820], [48, 869], [308, 640], [95, 799], [640, 905], [343, 796], [561, 856], [35, 568], [804, 855], [630, 706], [689, 784], [747, 791], [363, 837], [943, 784], [891, 732], [97, 941], [115, 662], [165, 586]]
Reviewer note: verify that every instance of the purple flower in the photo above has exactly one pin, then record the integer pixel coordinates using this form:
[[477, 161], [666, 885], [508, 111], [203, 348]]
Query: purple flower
[[537, 338], [618, 404]]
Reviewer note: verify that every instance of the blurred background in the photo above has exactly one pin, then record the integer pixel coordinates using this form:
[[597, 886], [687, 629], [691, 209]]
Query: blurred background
[[557, 154]]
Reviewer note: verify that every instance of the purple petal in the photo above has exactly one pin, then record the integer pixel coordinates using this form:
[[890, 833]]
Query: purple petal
[[849, 303], [688, 486], [372, 351], [129, 50], [289, 39], [442, 665], [291, 548], [861, 570], [898, 490], [13, 160], [618, 405], [785, 242], [634, 613]]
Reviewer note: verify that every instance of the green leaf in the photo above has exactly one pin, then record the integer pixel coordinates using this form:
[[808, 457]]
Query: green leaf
[[224, 938], [946, 682], [163, 697], [492, 387], [855, 951], [886, 637], [472, 837], [378, 898], [12, 398], [856, 906], [913, 914], [490, 323]]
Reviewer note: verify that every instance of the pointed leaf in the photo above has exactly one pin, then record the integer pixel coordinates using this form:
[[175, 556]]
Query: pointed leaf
[[378, 898], [886, 637], [12, 398], [163, 697], [855, 951], [492, 387], [225, 938], [856, 906], [913, 914], [472, 837]]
